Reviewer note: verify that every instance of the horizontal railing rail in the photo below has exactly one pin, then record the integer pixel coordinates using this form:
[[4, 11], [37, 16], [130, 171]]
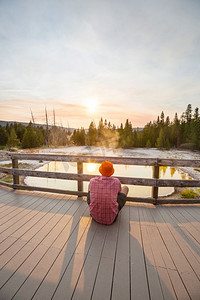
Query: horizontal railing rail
[[155, 182], [114, 160]]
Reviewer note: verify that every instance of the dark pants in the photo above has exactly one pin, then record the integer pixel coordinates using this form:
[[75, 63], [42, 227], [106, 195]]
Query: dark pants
[[121, 200]]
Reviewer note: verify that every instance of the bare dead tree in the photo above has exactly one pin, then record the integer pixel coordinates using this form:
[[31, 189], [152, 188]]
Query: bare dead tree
[[54, 118], [47, 127], [32, 116]]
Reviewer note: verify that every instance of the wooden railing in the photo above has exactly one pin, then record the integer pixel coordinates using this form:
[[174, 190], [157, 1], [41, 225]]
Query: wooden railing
[[155, 182]]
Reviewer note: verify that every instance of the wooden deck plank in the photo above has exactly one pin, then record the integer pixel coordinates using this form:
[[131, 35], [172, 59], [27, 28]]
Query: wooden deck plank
[[188, 248], [42, 213], [81, 287], [190, 217], [16, 207], [7, 199], [15, 214], [33, 234], [121, 275], [68, 265], [38, 226], [18, 244], [4, 190], [188, 226], [33, 280], [30, 285], [52, 248], [26, 264], [178, 286], [44, 233], [166, 282], [157, 255], [186, 272], [17, 278], [18, 230], [153, 278], [191, 241], [186, 219], [139, 280], [193, 211], [32, 215], [11, 202], [105, 272], [14, 200], [12, 194], [27, 227]]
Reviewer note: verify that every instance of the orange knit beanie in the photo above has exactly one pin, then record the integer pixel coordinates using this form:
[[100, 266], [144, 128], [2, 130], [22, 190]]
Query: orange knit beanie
[[106, 168]]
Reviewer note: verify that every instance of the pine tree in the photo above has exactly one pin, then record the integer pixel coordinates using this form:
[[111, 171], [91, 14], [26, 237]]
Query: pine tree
[[13, 141], [92, 134], [74, 137], [78, 137], [19, 129], [3, 136], [196, 114], [188, 113], [175, 131], [30, 139], [148, 144], [160, 142], [162, 118], [40, 136], [100, 130]]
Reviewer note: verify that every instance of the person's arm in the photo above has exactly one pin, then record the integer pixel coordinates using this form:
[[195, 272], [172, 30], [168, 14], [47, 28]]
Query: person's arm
[[119, 186]]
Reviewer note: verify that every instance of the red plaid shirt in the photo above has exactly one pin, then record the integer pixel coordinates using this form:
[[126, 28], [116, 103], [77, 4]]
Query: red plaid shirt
[[103, 198]]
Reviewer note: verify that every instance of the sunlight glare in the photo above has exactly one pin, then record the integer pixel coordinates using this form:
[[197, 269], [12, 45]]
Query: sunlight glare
[[91, 167], [91, 105]]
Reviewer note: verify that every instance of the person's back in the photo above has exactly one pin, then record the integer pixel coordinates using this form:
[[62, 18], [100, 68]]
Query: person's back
[[104, 197]]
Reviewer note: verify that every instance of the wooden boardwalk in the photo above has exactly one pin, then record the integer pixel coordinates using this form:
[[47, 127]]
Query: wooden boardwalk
[[51, 249]]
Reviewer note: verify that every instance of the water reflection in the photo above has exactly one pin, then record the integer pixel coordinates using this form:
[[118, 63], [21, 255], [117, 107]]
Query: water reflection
[[93, 169], [163, 170], [172, 172]]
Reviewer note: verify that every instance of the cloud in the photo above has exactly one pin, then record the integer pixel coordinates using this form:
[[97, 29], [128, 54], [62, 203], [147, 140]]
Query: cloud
[[136, 58]]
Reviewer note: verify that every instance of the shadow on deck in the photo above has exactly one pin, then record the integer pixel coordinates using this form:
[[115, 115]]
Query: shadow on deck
[[51, 249]]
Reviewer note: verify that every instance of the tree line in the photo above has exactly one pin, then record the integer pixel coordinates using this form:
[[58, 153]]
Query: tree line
[[162, 133], [31, 136]]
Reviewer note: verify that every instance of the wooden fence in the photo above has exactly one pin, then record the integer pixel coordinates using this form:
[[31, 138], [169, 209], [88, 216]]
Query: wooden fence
[[155, 182]]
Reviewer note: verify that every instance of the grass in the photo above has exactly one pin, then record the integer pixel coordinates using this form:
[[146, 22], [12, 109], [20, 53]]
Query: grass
[[6, 165], [23, 165], [189, 194], [8, 179], [3, 147]]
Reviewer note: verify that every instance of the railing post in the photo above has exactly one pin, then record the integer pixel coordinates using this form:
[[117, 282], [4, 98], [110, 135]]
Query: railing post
[[15, 166], [155, 176], [80, 171]]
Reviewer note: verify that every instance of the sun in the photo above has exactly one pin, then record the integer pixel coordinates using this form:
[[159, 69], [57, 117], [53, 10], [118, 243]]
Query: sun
[[91, 105], [91, 167]]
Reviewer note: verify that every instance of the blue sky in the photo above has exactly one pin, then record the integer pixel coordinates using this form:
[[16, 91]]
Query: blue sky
[[132, 58]]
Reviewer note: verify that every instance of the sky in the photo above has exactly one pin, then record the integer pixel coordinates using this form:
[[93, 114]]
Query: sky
[[116, 59]]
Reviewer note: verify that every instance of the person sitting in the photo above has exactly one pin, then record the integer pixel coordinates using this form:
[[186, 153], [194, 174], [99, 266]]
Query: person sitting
[[106, 196]]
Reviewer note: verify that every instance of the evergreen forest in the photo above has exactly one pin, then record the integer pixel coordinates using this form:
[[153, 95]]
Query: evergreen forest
[[183, 132]]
